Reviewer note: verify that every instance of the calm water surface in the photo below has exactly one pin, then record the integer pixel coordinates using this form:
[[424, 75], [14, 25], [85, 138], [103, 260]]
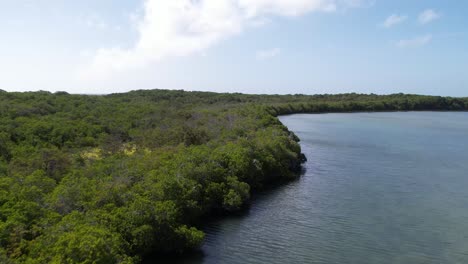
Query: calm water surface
[[378, 188]]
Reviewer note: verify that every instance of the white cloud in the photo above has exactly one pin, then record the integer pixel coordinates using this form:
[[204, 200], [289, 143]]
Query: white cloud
[[427, 16], [268, 54], [183, 27], [260, 22], [394, 20], [414, 42], [85, 53]]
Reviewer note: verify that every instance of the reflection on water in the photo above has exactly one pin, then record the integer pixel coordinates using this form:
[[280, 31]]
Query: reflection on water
[[378, 188]]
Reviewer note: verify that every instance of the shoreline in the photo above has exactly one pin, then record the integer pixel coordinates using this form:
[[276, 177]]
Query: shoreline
[[140, 170], [272, 186]]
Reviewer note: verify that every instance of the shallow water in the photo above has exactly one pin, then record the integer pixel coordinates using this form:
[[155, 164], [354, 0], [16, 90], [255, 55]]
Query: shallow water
[[378, 188]]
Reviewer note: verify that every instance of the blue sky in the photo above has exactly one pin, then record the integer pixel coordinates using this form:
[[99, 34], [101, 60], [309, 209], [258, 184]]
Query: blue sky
[[250, 46]]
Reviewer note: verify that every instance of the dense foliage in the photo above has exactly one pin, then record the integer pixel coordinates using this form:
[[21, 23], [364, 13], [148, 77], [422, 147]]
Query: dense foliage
[[109, 179]]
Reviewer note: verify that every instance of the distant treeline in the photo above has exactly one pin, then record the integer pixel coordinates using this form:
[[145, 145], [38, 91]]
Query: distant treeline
[[110, 179], [369, 103]]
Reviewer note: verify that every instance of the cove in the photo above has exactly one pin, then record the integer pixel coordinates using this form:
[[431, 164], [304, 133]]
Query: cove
[[377, 188]]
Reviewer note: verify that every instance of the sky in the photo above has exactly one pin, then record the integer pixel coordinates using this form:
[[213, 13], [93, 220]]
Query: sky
[[248, 46]]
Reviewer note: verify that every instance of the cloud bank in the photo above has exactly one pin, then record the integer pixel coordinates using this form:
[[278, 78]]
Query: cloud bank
[[394, 20], [427, 16], [183, 27]]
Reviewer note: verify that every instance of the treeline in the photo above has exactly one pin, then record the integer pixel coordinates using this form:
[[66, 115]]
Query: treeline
[[370, 103], [110, 179]]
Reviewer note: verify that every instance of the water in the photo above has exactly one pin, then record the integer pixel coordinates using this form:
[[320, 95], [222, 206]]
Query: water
[[378, 188]]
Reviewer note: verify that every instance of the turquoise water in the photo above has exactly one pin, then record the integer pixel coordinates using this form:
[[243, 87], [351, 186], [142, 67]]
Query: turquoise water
[[378, 188]]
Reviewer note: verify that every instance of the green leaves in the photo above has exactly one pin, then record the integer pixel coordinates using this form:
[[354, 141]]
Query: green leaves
[[78, 239], [109, 179]]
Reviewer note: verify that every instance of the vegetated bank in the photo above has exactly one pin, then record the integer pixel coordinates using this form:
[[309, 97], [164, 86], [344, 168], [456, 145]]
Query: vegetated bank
[[109, 179]]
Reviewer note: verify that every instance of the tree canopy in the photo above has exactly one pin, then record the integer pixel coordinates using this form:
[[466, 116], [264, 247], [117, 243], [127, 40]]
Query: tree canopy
[[110, 179]]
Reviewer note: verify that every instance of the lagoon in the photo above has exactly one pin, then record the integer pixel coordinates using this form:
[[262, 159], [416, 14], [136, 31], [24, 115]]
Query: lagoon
[[377, 188]]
